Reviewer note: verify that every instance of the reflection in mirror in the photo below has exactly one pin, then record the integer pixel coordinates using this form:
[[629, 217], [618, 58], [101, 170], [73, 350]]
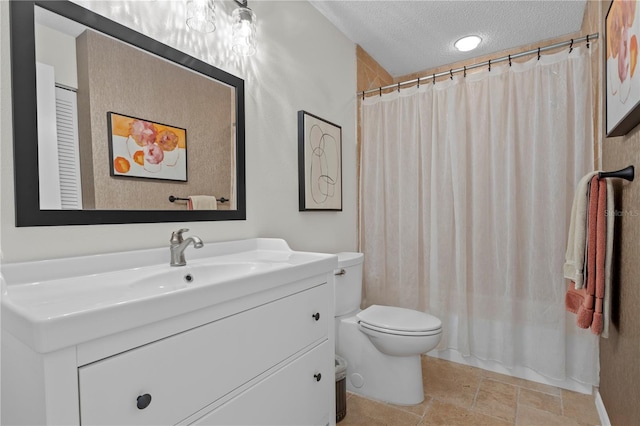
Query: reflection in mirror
[[123, 124]]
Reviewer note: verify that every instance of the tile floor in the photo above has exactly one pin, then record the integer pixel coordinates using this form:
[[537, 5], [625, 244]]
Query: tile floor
[[457, 394]]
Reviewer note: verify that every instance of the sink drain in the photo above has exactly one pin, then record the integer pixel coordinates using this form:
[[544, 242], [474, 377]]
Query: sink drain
[[188, 278]]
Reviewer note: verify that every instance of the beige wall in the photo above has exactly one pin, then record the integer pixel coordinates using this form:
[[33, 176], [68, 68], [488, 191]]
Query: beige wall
[[370, 76], [619, 366], [119, 78]]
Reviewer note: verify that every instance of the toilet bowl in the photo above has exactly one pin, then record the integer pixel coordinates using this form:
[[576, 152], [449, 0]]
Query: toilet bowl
[[382, 344]]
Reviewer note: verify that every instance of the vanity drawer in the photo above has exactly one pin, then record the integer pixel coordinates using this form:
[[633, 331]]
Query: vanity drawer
[[290, 396], [186, 372]]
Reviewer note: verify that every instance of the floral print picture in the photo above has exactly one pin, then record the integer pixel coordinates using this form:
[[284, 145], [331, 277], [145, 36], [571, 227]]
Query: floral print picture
[[142, 148], [623, 81]]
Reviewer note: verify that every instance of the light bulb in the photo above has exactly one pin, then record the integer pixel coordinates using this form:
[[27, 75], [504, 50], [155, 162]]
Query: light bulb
[[201, 15], [244, 31]]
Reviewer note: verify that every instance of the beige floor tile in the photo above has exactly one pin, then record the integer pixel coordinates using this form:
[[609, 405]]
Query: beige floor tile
[[530, 416], [449, 381], [580, 407], [441, 413], [497, 399], [541, 401], [363, 411], [417, 409], [457, 394], [527, 384]]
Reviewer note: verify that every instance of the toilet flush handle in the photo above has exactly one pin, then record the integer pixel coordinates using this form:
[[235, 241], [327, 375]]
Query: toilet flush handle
[[340, 272]]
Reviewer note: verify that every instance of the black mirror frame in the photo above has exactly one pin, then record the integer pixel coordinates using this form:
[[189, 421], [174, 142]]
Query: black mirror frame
[[25, 133]]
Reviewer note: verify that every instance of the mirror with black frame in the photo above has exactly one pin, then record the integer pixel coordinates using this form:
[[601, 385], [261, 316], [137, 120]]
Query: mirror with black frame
[[112, 126]]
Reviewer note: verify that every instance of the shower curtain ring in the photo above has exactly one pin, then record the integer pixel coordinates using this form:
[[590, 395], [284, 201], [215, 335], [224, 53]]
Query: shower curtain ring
[[451, 73], [489, 65], [571, 46], [398, 87], [465, 71], [587, 41], [538, 53], [509, 60], [434, 79], [380, 88]]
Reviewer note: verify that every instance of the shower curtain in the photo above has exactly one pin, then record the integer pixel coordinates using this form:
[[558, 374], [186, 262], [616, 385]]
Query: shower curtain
[[466, 187]]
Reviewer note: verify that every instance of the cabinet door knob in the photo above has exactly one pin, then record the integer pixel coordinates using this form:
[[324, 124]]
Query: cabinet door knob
[[144, 401], [316, 316], [318, 376]]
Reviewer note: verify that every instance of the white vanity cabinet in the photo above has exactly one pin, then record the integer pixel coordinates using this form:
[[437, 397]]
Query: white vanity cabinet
[[264, 357], [288, 396], [185, 373]]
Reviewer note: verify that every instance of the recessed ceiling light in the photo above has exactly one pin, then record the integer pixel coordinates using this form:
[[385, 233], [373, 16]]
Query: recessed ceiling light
[[467, 43]]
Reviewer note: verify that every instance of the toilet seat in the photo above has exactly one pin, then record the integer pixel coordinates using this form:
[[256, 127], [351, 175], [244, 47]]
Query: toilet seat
[[399, 321], [400, 333]]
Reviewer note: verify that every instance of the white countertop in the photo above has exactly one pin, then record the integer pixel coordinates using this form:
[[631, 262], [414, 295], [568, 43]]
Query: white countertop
[[57, 303]]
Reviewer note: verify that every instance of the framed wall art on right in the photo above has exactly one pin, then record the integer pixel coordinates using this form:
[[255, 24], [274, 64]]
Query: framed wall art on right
[[622, 76]]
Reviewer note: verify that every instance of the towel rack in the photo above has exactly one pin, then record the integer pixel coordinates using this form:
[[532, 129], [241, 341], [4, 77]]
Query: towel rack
[[627, 174], [172, 199]]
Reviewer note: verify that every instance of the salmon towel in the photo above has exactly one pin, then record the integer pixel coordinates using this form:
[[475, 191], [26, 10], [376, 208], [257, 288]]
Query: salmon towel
[[587, 302]]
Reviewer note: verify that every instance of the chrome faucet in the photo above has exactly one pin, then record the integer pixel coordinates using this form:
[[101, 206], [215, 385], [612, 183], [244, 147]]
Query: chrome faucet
[[179, 244]]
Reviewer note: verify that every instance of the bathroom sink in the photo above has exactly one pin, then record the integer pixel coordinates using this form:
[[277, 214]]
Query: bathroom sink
[[56, 303], [163, 279]]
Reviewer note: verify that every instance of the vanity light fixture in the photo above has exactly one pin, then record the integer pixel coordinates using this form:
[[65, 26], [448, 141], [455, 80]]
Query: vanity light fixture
[[201, 15], [244, 30], [467, 43]]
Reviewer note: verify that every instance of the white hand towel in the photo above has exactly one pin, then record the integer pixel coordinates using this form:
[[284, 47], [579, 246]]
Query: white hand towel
[[202, 202], [611, 218], [576, 242]]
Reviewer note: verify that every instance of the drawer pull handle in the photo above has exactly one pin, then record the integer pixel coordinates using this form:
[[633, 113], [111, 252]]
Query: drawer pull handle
[[318, 376], [144, 401], [340, 272], [316, 316]]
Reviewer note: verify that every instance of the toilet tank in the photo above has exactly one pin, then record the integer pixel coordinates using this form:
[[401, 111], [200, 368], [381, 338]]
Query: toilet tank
[[348, 282]]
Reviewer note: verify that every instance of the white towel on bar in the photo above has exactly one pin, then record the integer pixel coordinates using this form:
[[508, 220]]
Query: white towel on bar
[[576, 242], [202, 202]]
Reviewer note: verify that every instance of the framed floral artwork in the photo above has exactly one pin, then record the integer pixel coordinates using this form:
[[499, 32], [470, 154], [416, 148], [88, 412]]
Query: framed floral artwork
[[144, 149], [622, 100]]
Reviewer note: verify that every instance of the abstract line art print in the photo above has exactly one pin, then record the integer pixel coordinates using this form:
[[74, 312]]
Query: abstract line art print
[[319, 163]]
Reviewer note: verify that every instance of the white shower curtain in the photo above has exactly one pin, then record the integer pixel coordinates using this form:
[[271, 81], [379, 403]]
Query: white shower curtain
[[465, 194]]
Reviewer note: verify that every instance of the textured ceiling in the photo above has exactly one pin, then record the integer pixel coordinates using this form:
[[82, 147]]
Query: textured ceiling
[[411, 36]]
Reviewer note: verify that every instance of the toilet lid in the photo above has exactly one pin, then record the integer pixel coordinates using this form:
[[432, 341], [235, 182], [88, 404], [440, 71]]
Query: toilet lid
[[400, 319]]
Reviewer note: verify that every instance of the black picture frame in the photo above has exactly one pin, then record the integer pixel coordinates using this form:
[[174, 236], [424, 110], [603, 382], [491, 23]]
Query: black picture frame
[[319, 163], [621, 70], [113, 152]]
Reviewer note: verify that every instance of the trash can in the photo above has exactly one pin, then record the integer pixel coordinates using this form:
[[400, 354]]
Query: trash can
[[341, 388]]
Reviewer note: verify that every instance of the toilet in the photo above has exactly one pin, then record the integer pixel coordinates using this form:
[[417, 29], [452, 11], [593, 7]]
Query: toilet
[[381, 344]]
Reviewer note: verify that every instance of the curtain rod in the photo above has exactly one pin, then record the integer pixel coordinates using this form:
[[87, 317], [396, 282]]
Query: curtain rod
[[588, 38]]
